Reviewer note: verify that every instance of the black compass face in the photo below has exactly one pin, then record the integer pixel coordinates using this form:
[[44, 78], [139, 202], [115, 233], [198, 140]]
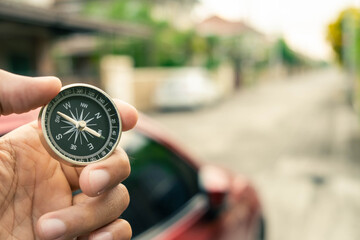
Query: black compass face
[[81, 124]]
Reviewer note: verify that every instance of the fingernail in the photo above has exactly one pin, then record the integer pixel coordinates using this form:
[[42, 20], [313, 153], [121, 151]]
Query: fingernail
[[52, 228], [102, 236], [99, 179]]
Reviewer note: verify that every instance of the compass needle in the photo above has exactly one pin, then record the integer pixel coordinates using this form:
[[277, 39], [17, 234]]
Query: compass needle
[[66, 117], [93, 132]]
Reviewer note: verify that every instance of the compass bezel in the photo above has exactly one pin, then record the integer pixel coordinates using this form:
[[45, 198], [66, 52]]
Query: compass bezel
[[44, 131]]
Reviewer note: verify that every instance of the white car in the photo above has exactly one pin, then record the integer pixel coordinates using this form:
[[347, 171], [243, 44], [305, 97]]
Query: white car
[[188, 88]]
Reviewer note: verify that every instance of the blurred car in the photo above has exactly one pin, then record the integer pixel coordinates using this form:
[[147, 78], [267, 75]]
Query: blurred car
[[173, 195], [188, 88]]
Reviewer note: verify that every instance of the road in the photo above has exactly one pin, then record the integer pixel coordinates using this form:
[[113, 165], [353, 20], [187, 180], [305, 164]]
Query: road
[[298, 140]]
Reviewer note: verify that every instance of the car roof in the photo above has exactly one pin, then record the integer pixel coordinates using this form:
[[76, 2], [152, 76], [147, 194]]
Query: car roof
[[151, 128]]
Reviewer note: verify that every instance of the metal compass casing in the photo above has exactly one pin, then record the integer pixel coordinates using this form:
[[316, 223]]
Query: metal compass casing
[[81, 125]]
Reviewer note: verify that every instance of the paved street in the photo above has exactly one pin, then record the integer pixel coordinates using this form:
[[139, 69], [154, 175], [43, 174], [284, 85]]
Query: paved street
[[298, 140]]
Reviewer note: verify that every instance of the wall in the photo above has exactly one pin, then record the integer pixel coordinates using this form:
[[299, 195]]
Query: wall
[[138, 85]]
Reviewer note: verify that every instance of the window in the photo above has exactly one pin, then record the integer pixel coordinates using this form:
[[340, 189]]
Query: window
[[160, 184]]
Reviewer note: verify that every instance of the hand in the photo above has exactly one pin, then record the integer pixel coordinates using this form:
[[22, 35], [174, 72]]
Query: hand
[[36, 199]]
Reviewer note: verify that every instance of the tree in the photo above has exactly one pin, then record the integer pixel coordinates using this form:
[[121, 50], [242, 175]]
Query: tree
[[167, 46], [289, 57], [343, 35]]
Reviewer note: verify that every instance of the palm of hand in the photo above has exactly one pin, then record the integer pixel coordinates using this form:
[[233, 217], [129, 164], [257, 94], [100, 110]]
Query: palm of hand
[[31, 183], [36, 191]]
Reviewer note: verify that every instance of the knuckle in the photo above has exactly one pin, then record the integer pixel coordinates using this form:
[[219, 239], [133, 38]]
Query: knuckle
[[87, 216]]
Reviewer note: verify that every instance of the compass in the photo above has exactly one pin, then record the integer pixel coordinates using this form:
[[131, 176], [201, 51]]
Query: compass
[[81, 125]]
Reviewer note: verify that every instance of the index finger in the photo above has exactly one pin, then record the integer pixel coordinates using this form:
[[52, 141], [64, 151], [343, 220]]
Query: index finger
[[20, 94], [128, 114]]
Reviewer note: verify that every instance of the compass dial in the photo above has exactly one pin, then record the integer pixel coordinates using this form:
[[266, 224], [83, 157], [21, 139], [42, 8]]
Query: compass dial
[[80, 125]]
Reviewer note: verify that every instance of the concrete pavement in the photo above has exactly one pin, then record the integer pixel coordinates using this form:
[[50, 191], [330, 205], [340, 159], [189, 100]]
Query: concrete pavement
[[298, 140]]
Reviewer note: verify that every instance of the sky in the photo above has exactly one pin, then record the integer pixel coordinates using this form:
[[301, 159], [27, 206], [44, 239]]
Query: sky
[[303, 23]]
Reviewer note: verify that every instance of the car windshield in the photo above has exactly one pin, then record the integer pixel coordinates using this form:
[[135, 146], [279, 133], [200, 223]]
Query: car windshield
[[160, 184]]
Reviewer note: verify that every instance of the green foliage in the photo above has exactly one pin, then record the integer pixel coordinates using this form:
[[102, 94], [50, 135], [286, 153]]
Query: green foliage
[[171, 47], [214, 57], [124, 10], [288, 56], [167, 46], [344, 36]]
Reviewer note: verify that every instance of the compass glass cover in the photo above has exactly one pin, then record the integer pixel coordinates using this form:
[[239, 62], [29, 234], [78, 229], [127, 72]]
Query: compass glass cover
[[82, 124]]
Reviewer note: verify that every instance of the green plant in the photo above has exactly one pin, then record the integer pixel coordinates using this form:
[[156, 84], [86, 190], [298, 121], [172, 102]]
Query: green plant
[[344, 37]]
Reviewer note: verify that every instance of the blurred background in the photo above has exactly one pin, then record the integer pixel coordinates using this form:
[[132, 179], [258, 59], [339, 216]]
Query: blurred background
[[269, 89]]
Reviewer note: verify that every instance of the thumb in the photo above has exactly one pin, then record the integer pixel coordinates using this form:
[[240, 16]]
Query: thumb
[[20, 94]]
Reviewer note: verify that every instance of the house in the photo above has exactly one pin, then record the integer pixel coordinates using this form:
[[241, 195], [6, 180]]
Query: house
[[216, 25], [28, 34], [247, 45]]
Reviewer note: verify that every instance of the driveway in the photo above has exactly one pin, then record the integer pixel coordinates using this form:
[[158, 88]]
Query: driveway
[[298, 140]]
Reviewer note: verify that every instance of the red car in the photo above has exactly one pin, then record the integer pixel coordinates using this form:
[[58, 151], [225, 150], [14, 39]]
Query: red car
[[173, 195]]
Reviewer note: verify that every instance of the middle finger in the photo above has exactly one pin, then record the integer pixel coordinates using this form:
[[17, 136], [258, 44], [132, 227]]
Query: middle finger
[[86, 215], [98, 177]]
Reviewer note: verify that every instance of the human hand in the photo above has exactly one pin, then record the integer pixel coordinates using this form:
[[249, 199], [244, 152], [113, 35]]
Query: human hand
[[36, 199]]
